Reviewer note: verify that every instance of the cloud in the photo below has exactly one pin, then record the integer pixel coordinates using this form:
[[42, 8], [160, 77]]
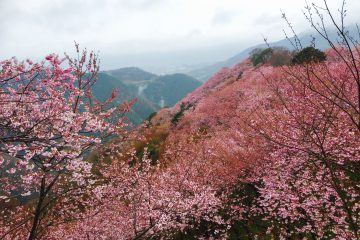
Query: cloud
[[267, 19], [33, 28], [140, 4], [223, 17]]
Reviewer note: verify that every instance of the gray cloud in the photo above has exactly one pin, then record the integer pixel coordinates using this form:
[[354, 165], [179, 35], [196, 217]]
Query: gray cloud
[[125, 28]]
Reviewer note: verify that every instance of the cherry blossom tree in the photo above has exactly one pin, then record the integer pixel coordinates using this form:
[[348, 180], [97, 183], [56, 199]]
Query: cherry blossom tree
[[142, 199], [309, 182], [49, 122], [309, 185]]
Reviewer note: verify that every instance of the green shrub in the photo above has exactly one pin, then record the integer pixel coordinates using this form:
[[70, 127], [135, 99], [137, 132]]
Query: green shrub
[[259, 56], [307, 55], [177, 116], [151, 116]]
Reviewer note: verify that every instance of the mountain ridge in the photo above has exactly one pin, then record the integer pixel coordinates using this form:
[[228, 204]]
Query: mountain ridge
[[306, 38]]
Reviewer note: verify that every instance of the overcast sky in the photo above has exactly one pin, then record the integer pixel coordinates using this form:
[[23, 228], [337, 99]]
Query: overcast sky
[[130, 32]]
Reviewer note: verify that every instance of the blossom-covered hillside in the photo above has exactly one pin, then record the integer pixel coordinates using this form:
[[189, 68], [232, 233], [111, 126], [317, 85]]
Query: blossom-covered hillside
[[255, 152]]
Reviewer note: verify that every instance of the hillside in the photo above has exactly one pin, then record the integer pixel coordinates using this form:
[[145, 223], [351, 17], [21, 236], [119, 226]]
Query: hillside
[[247, 149], [256, 132], [167, 90], [142, 107]]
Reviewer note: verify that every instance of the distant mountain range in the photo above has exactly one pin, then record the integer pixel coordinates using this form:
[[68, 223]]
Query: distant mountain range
[[204, 73], [152, 91]]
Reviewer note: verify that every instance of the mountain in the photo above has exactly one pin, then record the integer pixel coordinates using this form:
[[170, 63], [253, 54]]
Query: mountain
[[169, 89], [131, 74], [140, 110], [204, 73], [151, 91]]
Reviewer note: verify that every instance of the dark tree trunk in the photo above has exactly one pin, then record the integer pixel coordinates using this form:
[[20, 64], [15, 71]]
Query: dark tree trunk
[[38, 210]]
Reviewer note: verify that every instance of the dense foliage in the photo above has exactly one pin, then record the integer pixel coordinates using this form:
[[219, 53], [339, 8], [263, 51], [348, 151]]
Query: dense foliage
[[308, 54]]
